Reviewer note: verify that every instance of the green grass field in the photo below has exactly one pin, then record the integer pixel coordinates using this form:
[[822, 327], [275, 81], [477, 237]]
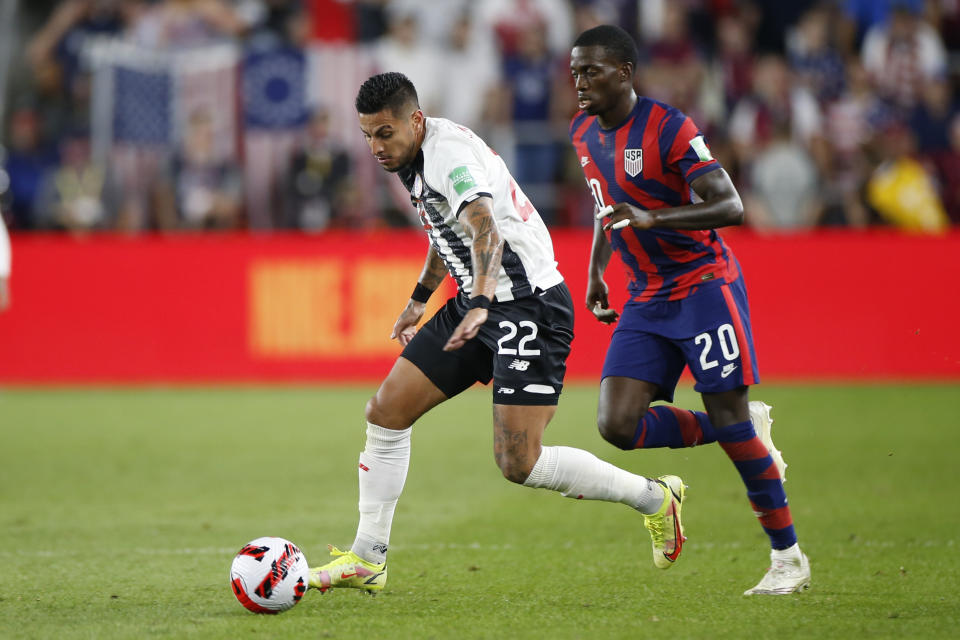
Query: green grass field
[[120, 512]]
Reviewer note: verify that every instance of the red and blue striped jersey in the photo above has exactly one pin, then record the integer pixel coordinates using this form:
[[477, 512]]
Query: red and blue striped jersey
[[649, 161]]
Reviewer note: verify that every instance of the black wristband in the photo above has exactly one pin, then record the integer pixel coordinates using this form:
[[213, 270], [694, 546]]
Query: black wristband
[[479, 302], [421, 293]]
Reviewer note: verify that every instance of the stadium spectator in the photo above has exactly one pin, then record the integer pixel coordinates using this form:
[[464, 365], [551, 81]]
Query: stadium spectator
[[946, 165], [370, 19], [850, 123], [200, 190], [508, 19], [175, 24], [775, 101], [467, 97], [776, 105], [27, 162], [403, 50], [900, 189], [273, 23], [66, 34], [703, 56], [783, 186], [319, 179], [902, 54], [674, 69], [813, 56], [859, 16], [74, 195], [734, 59], [930, 119], [531, 75]]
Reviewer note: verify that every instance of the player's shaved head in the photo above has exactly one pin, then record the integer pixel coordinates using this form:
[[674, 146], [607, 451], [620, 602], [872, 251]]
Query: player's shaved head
[[615, 40], [390, 90]]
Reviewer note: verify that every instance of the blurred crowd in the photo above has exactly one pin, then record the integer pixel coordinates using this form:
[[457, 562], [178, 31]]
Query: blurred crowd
[[210, 114]]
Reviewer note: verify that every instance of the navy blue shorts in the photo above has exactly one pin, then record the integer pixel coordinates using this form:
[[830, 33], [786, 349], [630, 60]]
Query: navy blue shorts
[[708, 331], [523, 347]]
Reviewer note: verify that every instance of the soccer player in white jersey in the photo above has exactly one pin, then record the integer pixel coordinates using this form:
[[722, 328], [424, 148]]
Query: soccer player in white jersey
[[511, 321]]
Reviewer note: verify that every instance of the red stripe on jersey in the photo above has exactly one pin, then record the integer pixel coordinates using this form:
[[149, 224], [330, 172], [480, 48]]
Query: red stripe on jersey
[[701, 165], [681, 146], [678, 254], [653, 169], [654, 280], [725, 268], [686, 133], [578, 134], [591, 172], [686, 283], [745, 357]]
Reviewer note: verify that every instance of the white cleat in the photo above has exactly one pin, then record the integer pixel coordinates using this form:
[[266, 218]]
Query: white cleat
[[762, 424], [785, 576]]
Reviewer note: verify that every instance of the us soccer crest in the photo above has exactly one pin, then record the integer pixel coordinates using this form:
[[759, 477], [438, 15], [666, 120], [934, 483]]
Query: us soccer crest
[[633, 161]]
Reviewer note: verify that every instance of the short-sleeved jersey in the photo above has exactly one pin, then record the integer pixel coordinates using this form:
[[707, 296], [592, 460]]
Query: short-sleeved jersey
[[455, 167], [649, 161]]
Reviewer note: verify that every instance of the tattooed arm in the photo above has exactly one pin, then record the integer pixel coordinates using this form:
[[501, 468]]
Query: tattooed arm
[[486, 253], [434, 270]]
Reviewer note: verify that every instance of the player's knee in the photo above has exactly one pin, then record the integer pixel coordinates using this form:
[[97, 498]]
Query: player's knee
[[514, 468], [617, 427], [383, 415]]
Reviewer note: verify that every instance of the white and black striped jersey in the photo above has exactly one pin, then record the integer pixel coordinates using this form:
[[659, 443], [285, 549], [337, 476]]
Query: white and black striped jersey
[[454, 167]]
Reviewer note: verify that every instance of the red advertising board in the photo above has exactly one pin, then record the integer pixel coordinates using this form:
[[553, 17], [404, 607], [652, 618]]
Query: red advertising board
[[247, 308]]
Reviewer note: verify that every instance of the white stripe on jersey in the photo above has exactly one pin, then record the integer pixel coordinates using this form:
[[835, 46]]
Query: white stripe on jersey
[[447, 150]]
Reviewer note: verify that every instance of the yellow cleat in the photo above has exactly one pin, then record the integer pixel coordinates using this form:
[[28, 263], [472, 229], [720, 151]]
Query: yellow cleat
[[348, 570], [665, 527]]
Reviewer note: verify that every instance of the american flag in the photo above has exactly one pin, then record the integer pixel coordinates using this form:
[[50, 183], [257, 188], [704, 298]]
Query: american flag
[[142, 99]]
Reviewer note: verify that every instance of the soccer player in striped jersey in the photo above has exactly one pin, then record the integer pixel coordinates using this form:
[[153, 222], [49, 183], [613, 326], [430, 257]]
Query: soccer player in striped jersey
[[511, 321], [660, 197]]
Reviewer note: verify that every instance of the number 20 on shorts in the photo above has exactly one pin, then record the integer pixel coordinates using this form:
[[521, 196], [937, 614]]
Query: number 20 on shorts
[[728, 345]]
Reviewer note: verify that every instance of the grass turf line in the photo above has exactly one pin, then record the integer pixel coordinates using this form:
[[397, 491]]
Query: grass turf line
[[121, 511]]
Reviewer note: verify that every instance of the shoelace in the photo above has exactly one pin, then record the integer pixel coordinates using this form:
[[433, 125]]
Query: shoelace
[[655, 527]]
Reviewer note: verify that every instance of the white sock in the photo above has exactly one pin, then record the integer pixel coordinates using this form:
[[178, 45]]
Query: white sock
[[790, 553], [383, 471], [578, 474]]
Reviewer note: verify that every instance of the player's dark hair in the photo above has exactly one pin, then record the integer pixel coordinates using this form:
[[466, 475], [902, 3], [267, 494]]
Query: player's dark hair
[[389, 90], [615, 40]]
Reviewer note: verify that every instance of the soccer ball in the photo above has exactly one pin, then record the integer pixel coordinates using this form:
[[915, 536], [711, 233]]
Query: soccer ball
[[269, 575]]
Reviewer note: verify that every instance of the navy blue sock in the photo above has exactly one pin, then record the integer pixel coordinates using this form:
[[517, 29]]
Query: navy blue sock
[[764, 486], [666, 426]]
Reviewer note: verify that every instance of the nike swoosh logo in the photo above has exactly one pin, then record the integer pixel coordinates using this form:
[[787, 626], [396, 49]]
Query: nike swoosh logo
[[677, 533], [348, 575]]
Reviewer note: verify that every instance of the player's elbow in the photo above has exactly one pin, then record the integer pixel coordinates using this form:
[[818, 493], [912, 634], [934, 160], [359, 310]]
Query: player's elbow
[[734, 207]]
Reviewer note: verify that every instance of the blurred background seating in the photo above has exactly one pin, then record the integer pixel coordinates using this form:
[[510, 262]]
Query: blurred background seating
[[169, 115]]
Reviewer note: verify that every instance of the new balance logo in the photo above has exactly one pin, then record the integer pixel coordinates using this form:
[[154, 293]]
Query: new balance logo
[[519, 365], [727, 370], [380, 548], [584, 161], [506, 390]]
